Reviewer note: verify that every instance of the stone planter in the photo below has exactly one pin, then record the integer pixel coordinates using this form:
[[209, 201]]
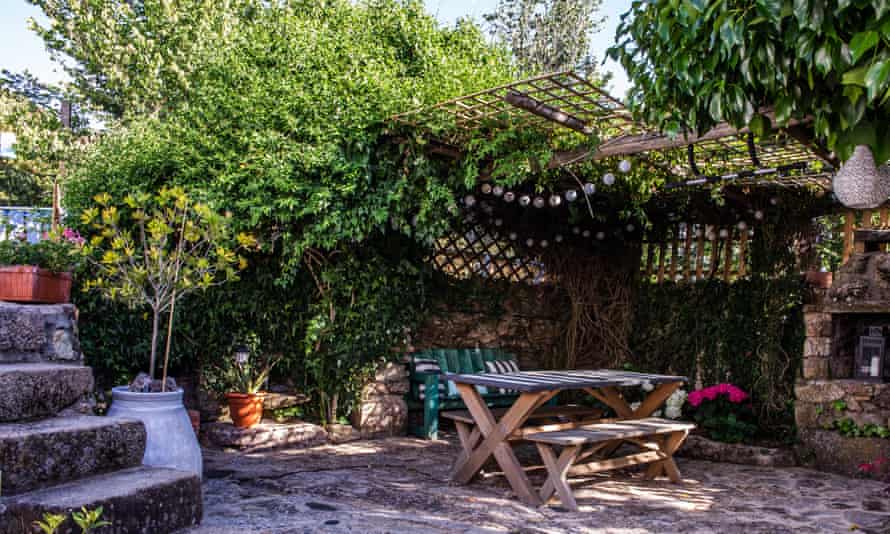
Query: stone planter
[[171, 441], [29, 283]]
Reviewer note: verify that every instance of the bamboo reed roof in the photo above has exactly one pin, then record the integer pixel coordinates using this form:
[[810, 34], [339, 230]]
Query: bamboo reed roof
[[565, 101]]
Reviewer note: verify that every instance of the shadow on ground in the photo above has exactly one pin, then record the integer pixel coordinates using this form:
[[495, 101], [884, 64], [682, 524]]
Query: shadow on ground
[[402, 485]]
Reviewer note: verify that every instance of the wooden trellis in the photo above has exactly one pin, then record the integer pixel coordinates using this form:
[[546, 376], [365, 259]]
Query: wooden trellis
[[693, 252], [474, 251], [861, 219]]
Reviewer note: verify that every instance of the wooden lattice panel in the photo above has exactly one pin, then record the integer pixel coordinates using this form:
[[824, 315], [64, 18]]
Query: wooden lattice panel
[[473, 251], [695, 252]]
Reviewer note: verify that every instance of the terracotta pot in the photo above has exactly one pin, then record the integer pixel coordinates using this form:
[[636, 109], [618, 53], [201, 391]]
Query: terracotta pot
[[819, 279], [28, 283], [246, 409]]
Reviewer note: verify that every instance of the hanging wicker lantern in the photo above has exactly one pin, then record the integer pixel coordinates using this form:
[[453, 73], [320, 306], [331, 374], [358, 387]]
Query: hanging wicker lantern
[[860, 184]]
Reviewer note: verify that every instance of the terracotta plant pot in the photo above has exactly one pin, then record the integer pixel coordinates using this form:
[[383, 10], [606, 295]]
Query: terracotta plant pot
[[819, 279], [246, 409], [28, 283]]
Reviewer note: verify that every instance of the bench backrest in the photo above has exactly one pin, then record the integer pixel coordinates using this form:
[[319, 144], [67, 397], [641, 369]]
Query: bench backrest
[[468, 361]]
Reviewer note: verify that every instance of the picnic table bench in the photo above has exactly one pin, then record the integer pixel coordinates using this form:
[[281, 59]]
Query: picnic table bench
[[489, 433], [658, 439]]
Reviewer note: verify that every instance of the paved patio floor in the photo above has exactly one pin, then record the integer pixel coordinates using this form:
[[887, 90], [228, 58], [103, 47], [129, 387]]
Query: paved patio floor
[[401, 485]]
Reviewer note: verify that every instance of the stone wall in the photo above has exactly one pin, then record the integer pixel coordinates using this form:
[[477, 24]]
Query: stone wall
[[382, 410], [38, 333], [825, 394], [530, 325]]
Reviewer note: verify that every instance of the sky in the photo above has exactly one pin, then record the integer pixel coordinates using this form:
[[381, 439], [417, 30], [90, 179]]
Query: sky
[[20, 49]]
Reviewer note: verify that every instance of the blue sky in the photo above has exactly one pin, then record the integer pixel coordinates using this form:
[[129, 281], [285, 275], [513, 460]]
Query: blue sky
[[20, 49]]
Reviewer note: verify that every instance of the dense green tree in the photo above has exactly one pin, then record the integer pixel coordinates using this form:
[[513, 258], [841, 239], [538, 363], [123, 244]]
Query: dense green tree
[[136, 56], [697, 62], [547, 35]]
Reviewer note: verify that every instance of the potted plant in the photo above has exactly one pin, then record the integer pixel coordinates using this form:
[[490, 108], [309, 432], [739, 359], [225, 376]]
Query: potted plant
[[242, 379], [150, 251], [39, 272]]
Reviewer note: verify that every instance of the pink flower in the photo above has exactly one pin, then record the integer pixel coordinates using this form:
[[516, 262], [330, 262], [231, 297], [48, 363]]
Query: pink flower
[[73, 236], [735, 394], [695, 398], [867, 467]]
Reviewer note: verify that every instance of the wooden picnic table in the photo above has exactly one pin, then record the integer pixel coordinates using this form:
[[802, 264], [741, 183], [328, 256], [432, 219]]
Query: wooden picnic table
[[490, 436]]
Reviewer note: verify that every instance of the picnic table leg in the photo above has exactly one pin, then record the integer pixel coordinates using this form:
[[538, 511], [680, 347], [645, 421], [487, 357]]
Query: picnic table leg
[[558, 469], [611, 397], [669, 446], [494, 442]]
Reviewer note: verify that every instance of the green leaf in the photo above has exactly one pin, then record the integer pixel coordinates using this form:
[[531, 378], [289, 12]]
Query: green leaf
[[823, 59], [855, 76], [876, 78], [861, 43], [760, 125], [715, 109]]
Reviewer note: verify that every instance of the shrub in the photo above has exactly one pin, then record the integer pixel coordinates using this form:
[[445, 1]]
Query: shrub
[[722, 412]]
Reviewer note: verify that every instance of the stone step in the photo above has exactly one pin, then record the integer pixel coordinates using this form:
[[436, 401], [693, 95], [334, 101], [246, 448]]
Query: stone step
[[135, 500], [32, 390], [61, 449], [38, 333]]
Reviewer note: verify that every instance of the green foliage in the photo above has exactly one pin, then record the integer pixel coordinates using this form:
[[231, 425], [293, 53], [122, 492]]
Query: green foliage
[[725, 421], [749, 332], [56, 254], [548, 35], [89, 520], [694, 63], [235, 376], [152, 250], [847, 427], [365, 306], [50, 523]]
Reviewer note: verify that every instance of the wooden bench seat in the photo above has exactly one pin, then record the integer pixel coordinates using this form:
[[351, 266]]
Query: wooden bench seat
[[658, 439], [544, 412]]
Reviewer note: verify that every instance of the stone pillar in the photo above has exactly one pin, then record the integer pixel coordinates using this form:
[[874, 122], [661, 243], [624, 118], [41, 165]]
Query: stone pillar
[[817, 345], [382, 410]]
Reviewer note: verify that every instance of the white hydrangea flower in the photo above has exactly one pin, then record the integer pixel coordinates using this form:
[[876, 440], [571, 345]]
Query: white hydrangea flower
[[647, 386], [635, 405]]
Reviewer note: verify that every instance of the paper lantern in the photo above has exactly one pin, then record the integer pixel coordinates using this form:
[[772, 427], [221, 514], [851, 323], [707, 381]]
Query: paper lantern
[[860, 184]]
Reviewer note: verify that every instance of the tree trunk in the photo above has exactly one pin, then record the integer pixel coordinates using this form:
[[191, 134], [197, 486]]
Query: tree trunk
[[156, 319]]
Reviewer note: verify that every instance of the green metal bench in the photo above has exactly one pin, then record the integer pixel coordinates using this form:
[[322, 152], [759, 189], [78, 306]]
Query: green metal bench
[[431, 395]]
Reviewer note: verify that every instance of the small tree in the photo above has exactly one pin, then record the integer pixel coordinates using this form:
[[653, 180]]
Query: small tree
[[153, 250]]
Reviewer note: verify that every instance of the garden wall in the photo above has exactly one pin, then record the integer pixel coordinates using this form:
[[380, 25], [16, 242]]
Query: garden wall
[[526, 320]]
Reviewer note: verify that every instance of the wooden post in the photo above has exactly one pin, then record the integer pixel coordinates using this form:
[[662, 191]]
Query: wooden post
[[687, 253], [662, 248], [727, 255], [675, 243], [866, 218], [700, 254], [849, 216], [715, 251], [743, 253]]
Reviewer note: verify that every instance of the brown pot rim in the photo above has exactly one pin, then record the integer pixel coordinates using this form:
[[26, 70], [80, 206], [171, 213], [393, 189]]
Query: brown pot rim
[[33, 269], [236, 395]]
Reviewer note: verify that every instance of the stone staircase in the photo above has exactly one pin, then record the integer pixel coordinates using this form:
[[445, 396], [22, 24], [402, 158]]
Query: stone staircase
[[54, 458]]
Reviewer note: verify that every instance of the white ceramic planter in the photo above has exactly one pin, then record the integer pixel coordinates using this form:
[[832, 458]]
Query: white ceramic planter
[[171, 441]]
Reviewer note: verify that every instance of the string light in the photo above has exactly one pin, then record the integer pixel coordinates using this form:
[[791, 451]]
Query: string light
[[539, 202], [513, 236], [509, 196], [630, 228], [571, 195], [525, 200], [558, 238], [585, 233], [589, 188], [758, 215], [469, 201], [486, 189], [601, 235], [497, 190], [576, 230], [555, 201], [724, 233], [742, 226], [498, 222], [624, 166], [544, 243], [530, 242], [608, 178]]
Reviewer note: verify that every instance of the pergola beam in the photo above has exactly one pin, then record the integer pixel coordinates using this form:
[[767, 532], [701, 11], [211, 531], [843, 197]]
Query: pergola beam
[[551, 113], [629, 145]]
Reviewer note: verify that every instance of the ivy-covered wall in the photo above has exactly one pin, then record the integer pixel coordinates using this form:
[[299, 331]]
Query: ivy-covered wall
[[749, 332]]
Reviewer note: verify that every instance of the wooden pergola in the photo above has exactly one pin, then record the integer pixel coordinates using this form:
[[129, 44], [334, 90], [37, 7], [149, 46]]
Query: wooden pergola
[[566, 104]]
